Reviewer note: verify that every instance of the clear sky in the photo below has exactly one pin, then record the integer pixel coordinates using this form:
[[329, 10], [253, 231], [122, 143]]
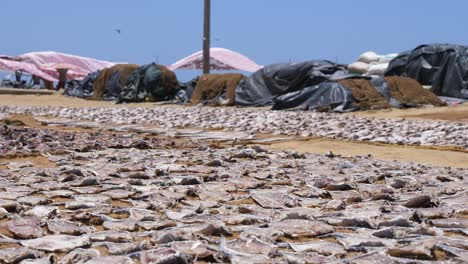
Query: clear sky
[[267, 31]]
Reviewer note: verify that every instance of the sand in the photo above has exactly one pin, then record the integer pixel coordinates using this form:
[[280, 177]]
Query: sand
[[60, 100], [384, 152], [457, 113], [36, 160]]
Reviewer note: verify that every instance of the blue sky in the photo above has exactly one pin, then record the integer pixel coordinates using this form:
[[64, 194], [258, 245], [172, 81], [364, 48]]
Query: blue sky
[[268, 31]]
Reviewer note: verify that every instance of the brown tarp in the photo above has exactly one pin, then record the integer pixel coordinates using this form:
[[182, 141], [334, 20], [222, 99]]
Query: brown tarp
[[365, 94], [216, 89], [100, 83], [409, 91], [169, 80]]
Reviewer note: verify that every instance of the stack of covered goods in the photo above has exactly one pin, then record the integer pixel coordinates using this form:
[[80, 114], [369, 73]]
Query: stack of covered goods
[[371, 64], [150, 83], [263, 86], [110, 82], [444, 67], [216, 89], [82, 88], [359, 93], [129, 83], [106, 84]]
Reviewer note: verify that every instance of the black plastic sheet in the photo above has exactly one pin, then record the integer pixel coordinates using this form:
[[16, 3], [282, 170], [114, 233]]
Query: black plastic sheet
[[337, 96], [327, 97], [149, 83], [263, 86], [443, 66], [83, 88], [113, 87]]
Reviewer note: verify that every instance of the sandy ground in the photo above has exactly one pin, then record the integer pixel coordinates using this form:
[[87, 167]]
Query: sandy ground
[[60, 100], [26, 91], [385, 152], [457, 113]]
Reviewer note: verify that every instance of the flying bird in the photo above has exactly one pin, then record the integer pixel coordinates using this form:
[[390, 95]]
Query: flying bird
[[118, 31]]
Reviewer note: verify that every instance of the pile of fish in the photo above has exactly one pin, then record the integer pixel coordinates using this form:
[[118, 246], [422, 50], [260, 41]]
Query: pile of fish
[[338, 126], [21, 141], [143, 200]]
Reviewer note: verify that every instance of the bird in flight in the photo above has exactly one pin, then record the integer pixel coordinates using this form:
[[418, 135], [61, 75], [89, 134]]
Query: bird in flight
[[118, 31]]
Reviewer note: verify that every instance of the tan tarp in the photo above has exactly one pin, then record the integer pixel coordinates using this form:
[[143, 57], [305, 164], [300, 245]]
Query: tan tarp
[[216, 89], [405, 90], [365, 94], [169, 81], [409, 91]]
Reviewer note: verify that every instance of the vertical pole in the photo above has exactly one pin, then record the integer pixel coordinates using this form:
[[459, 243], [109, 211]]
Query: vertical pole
[[18, 75], [206, 37], [62, 78]]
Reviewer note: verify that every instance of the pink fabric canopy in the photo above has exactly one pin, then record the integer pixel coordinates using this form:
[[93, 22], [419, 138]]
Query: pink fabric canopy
[[74, 72], [12, 65], [82, 65], [220, 59]]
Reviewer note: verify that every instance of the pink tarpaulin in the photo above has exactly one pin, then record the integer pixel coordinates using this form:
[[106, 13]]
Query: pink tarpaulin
[[220, 59], [83, 65], [74, 72], [12, 65]]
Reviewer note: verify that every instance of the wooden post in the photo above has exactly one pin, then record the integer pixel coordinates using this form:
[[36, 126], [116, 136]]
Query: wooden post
[[206, 37], [18, 76], [62, 78], [36, 80]]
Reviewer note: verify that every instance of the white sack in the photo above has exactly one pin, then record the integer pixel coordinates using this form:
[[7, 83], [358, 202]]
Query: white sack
[[358, 67], [377, 69], [369, 57], [388, 57]]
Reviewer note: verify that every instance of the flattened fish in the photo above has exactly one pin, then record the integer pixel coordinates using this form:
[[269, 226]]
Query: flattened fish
[[321, 247], [57, 243], [302, 228], [273, 199], [59, 226], [25, 227], [164, 255]]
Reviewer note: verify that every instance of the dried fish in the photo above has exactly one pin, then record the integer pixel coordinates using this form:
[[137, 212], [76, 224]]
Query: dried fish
[[25, 227], [420, 202], [80, 255], [114, 260], [163, 200], [57, 243], [43, 211], [161, 256], [273, 200], [17, 254], [302, 228], [321, 247], [59, 226]]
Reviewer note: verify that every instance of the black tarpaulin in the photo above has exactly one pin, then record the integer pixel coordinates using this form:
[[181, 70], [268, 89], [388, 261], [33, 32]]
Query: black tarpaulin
[[263, 86], [328, 96], [110, 81], [83, 88], [443, 66], [151, 82], [358, 93]]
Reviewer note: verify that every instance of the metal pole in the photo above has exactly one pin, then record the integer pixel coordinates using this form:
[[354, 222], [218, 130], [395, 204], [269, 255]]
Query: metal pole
[[206, 37]]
